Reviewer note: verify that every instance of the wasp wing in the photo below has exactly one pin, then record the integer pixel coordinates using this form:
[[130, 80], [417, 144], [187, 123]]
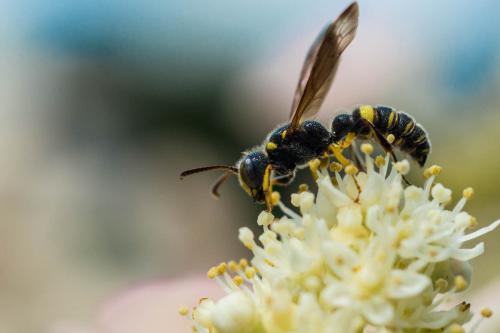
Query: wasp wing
[[321, 64]]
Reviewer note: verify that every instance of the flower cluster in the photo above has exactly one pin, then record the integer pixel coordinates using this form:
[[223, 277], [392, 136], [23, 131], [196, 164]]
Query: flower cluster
[[365, 254]]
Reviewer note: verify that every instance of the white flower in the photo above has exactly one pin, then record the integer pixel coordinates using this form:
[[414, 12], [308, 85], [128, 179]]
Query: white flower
[[365, 254]]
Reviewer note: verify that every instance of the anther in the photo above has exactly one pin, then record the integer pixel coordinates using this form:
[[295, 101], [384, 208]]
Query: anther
[[212, 273], [367, 148], [233, 266], [303, 188], [486, 313], [238, 280], [183, 311], [433, 170], [250, 273], [460, 283], [221, 268], [351, 170], [468, 193], [379, 161], [335, 167], [243, 263], [391, 138]]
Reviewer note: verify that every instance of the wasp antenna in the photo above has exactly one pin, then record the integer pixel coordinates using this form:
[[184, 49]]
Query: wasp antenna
[[189, 172], [219, 182]]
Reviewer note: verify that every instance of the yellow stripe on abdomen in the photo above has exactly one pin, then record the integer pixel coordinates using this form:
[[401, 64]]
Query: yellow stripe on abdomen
[[392, 115], [366, 112]]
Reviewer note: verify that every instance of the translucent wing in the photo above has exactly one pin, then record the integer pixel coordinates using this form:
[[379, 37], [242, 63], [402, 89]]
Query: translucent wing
[[321, 64]]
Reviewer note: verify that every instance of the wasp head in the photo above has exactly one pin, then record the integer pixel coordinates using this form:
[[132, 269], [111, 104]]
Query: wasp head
[[252, 170]]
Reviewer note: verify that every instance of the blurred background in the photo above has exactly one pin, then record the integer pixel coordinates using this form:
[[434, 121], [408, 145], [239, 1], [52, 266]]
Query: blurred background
[[103, 103]]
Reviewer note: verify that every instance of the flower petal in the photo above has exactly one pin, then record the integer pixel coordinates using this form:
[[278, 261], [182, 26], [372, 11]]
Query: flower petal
[[405, 284], [378, 311]]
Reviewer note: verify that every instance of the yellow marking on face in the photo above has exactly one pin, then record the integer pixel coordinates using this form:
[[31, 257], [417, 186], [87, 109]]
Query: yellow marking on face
[[408, 128], [391, 119], [283, 135], [271, 146], [245, 187], [366, 112]]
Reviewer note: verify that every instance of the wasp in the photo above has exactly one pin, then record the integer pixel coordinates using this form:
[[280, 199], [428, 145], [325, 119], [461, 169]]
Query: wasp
[[300, 141]]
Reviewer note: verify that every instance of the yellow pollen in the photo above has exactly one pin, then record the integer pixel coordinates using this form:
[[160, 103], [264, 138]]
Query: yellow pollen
[[194, 329], [233, 266], [455, 328], [250, 273], [238, 280], [212, 273], [433, 170], [351, 170], [243, 263], [283, 135], [221, 269], [379, 161], [460, 283], [390, 138], [275, 198], [271, 146], [367, 148], [183, 311], [486, 312], [468, 193], [335, 167], [303, 188]]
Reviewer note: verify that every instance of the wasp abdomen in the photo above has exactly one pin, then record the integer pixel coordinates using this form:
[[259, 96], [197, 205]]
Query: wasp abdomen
[[409, 136]]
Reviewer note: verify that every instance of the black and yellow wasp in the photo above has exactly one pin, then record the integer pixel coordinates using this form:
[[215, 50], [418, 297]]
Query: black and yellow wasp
[[298, 142]]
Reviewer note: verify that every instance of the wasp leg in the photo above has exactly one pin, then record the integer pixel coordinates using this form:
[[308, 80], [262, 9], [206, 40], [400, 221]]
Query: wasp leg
[[384, 143], [267, 186], [336, 150]]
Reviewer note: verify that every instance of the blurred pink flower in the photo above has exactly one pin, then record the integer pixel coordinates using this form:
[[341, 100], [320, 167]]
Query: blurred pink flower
[[150, 308]]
